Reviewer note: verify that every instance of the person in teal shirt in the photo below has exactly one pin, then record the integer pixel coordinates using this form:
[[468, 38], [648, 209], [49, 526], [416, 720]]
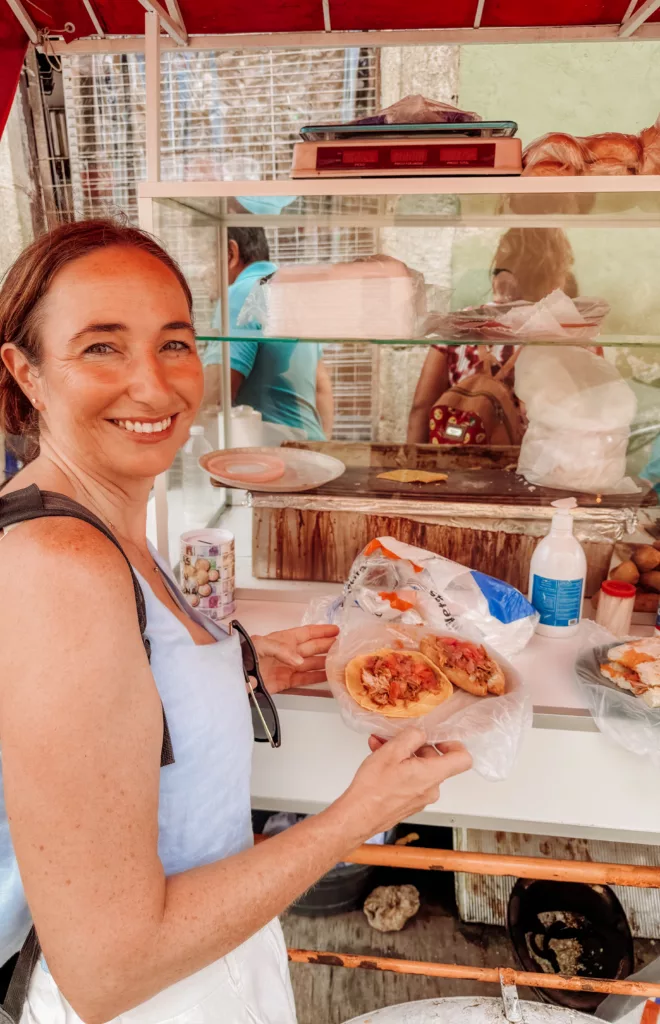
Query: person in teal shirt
[[286, 381]]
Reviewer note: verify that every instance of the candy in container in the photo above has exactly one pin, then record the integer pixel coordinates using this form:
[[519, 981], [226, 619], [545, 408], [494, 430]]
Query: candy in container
[[207, 572]]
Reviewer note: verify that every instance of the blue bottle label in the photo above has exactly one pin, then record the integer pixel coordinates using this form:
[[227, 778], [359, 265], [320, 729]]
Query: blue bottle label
[[558, 602]]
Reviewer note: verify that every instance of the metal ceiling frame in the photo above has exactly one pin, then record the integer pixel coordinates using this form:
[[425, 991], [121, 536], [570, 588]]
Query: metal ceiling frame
[[175, 29], [409, 37], [633, 22], [94, 18], [25, 20]]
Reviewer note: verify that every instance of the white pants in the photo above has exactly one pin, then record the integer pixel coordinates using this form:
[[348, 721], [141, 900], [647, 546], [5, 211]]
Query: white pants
[[248, 986]]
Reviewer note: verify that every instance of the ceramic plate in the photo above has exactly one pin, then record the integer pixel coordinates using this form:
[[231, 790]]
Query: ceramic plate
[[271, 470]]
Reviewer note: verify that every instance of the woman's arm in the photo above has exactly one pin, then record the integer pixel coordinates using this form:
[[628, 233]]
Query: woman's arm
[[433, 382], [325, 400], [81, 731]]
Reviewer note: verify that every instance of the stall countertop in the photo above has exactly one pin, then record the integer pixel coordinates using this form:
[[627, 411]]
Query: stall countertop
[[569, 780]]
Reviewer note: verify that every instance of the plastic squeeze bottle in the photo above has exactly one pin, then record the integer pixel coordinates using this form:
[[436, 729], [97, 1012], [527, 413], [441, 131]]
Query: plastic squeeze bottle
[[557, 574]]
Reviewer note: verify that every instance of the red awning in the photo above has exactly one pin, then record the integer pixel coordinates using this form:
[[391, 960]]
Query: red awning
[[13, 44], [126, 17], [75, 19]]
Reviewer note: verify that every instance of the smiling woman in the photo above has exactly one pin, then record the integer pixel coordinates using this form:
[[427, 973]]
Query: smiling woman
[[129, 845]]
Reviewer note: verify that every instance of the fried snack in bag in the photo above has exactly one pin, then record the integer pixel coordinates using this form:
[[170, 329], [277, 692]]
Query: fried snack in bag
[[491, 727]]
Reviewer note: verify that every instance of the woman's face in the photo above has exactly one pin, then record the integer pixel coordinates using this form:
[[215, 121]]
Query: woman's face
[[505, 287], [120, 380]]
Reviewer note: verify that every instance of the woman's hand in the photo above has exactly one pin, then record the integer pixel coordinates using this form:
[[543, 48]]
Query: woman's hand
[[294, 657], [400, 778]]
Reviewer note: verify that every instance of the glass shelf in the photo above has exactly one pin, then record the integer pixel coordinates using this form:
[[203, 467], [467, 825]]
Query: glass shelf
[[446, 242], [604, 341]]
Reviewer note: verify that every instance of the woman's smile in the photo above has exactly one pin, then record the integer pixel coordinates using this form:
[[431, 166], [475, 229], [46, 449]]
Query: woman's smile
[[147, 431]]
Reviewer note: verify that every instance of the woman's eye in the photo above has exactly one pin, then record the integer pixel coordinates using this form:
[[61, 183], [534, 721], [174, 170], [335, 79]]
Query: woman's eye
[[99, 349], [176, 346]]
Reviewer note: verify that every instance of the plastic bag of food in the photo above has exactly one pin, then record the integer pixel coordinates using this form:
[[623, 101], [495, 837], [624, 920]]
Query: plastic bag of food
[[490, 726], [418, 109], [398, 583], [579, 409], [619, 714]]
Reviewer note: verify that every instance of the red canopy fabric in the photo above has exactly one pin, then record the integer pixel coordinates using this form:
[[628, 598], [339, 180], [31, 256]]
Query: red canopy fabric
[[126, 17], [13, 44]]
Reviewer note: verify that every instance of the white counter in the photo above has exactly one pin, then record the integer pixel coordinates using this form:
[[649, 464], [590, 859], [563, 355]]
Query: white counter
[[569, 780]]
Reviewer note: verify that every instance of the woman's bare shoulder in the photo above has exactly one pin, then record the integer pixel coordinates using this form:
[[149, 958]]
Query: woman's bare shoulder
[[65, 569], [54, 544]]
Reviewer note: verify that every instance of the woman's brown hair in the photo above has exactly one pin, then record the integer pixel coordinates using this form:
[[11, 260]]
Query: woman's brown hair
[[26, 284]]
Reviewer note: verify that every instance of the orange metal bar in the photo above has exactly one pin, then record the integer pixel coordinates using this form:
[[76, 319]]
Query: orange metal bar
[[515, 866], [485, 974], [542, 868]]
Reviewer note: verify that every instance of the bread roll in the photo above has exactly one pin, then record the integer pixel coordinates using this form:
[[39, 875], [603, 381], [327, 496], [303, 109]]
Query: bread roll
[[650, 143], [651, 580], [607, 166], [548, 168], [625, 572], [557, 148], [626, 149], [646, 557]]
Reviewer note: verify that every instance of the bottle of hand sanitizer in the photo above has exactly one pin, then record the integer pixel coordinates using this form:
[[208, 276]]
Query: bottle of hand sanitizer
[[557, 574]]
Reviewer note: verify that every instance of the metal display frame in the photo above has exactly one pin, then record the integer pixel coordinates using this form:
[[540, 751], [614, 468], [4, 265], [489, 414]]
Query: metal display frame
[[154, 189]]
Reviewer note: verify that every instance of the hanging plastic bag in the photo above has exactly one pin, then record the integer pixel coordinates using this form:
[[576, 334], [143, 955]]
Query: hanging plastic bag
[[579, 409], [395, 582], [490, 727]]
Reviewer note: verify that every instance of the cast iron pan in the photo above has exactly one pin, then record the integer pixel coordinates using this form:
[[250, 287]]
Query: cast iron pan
[[570, 928]]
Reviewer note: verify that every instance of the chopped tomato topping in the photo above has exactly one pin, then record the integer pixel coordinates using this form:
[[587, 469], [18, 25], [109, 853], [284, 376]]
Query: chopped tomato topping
[[396, 676]]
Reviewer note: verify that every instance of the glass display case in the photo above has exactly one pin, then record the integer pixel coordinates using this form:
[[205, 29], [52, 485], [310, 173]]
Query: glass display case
[[503, 333]]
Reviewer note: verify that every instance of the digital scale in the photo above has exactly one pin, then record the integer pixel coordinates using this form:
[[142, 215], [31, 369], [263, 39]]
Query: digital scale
[[406, 156]]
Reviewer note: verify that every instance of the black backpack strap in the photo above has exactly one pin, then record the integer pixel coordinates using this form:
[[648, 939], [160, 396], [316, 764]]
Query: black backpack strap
[[28, 958]]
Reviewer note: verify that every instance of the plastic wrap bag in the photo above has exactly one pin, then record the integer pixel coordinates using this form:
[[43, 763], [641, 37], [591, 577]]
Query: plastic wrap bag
[[619, 715], [399, 583], [579, 409], [490, 727], [418, 109]]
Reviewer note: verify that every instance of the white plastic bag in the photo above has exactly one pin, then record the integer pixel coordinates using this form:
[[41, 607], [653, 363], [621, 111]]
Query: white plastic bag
[[490, 727], [395, 582], [580, 410]]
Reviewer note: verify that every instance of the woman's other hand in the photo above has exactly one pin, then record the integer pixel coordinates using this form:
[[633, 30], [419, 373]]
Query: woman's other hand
[[400, 778], [294, 657]]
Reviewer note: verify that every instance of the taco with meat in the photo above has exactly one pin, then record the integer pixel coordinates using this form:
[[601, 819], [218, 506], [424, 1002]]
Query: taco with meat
[[397, 684], [466, 664]]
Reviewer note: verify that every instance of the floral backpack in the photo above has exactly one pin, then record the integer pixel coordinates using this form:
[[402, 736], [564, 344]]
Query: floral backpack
[[481, 409]]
